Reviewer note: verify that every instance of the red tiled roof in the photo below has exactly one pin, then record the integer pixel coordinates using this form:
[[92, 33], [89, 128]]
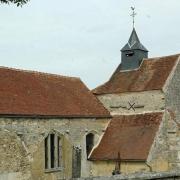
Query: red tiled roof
[[29, 93], [151, 75], [130, 135]]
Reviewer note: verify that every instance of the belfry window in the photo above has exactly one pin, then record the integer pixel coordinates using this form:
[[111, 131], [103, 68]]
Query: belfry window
[[53, 151], [89, 143], [129, 53]]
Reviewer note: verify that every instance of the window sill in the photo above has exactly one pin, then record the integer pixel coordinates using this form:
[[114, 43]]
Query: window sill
[[53, 170]]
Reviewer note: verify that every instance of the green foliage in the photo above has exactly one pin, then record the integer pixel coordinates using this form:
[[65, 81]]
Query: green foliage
[[16, 2]]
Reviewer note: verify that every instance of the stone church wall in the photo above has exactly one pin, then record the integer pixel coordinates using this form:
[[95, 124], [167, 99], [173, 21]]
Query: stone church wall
[[158, 155], [13, 156], [22, 142], [119, 104], [172, 96], [105, 168]]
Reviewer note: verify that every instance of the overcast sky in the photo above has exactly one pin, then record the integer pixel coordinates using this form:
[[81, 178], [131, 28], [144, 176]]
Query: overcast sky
[[83, 37]]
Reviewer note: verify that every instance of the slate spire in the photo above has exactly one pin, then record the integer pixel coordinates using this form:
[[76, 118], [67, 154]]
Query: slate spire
[[132, 53], [133, 43]]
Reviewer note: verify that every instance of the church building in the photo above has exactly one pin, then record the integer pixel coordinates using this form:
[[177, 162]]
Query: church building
[[143, 98], [53, 127]]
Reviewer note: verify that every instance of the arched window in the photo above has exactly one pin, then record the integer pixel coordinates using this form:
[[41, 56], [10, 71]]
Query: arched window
[[53, 151], [89, 143]]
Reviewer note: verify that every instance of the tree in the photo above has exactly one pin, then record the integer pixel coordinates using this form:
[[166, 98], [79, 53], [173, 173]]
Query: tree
[[16, 2]]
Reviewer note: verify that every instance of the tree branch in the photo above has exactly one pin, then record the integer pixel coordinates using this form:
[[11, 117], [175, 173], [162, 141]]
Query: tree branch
[[16, 2]]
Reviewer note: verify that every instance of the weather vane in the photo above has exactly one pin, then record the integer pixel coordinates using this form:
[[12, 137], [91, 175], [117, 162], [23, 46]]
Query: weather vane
[[133, 14]]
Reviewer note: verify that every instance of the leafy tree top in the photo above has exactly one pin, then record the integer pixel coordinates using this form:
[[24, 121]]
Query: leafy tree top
[[16, 2]]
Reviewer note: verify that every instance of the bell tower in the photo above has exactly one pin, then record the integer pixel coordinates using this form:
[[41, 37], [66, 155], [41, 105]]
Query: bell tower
[[133, 52]]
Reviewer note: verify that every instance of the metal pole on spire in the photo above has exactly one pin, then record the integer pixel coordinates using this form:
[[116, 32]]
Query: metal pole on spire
[[133, 15]]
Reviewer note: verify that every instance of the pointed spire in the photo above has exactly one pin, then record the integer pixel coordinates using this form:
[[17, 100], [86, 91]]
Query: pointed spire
[[133, 53], [133, 43], [133, 38]]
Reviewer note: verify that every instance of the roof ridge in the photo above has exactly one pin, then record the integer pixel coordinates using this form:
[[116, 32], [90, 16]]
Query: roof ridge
[[40, 73], [161, 57]]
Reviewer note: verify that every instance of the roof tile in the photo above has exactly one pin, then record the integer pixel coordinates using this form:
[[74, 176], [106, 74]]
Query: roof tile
[[29, 93], [151, 75], [129, 135]]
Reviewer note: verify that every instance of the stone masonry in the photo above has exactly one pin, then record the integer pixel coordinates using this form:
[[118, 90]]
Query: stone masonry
[[25, 138]]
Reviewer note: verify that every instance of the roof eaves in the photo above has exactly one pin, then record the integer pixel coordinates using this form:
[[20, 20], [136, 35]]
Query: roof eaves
[[52, 116], [114, 92], [123, 160]]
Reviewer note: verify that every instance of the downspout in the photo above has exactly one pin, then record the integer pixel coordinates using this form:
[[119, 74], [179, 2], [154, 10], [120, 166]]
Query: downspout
[[150, 168]]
